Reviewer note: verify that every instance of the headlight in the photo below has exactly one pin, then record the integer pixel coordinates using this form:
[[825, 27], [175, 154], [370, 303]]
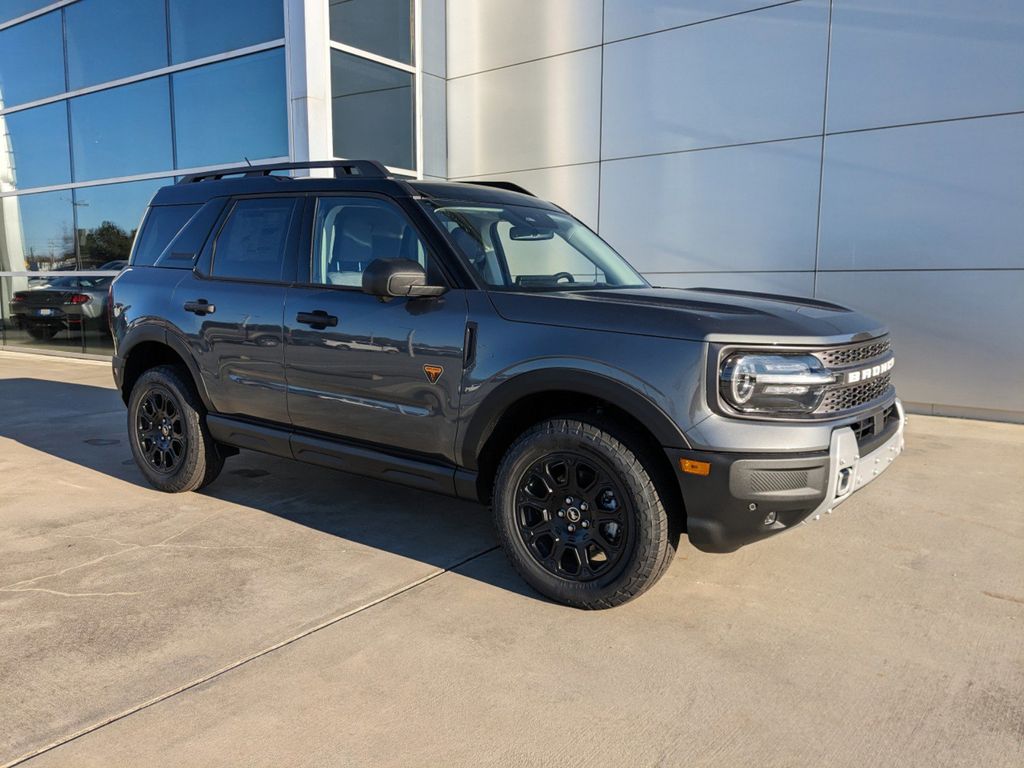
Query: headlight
[[760, 383]]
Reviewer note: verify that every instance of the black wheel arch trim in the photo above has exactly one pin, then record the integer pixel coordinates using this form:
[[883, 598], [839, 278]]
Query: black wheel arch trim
[[154, 332], [489, 413]]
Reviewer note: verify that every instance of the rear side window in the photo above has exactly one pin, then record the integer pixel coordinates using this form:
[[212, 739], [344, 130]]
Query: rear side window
[[253, 242], [163, 222]]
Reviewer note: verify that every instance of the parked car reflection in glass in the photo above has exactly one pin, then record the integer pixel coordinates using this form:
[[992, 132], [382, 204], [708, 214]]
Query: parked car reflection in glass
[[74, 304]]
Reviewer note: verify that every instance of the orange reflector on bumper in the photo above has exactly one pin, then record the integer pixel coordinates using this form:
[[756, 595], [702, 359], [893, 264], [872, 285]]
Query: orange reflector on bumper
[[692, 467]]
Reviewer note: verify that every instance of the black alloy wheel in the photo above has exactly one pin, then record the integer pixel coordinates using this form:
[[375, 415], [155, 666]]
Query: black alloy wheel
[[573, 516], [161, 430]]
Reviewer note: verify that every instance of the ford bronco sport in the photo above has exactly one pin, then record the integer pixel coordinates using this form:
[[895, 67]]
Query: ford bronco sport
[[473, 340]]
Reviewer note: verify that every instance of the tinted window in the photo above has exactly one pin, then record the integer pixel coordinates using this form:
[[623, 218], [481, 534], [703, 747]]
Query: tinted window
[[253, 241], [383, 27], [141, 39], [162, 224], [231, 110], [201, 28], [47, 232], [39, 142], [108, 216], [122, 131], [351, 232], [373, 106], [31, 60]]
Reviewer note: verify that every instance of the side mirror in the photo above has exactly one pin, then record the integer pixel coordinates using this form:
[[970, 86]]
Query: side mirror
[[390, 278]]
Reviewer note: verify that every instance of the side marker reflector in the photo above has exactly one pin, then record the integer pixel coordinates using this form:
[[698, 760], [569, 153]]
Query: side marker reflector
[[691, 467]]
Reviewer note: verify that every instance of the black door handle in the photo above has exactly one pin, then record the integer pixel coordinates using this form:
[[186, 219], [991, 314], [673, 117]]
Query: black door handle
[[318, 319], [200, 307]]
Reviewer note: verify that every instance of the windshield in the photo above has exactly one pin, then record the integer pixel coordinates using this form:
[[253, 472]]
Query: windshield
[[518, 248]]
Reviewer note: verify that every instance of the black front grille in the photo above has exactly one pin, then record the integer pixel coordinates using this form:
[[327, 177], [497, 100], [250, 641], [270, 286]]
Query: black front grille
[[872, 425], [838, 400], [875, 429], [854, 353]]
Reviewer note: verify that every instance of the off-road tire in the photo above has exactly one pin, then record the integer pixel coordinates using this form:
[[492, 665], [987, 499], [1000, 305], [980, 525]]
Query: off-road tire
[[651, 545], [200, 460]]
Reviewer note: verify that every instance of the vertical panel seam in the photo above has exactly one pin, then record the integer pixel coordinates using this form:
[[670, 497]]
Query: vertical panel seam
[[71, 156], [170, 88], [600, 125], [821, 158]]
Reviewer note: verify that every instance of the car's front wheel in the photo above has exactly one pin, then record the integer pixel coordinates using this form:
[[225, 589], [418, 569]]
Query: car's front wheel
[[168, 433], [579, 514]]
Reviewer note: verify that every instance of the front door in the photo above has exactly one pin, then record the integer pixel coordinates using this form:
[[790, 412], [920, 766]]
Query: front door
[[231, 308], [372, 371]]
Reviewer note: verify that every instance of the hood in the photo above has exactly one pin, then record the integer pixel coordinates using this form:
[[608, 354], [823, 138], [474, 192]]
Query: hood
[[697, 314]]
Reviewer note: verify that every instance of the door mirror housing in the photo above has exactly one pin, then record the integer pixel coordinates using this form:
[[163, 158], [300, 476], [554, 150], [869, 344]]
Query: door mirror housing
[[391, 278]]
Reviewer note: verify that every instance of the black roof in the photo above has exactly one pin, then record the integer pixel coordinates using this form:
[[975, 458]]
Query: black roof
[[350, 175]]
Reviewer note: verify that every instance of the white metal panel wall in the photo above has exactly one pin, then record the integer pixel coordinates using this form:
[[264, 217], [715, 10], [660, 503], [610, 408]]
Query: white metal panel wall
[[750, 77], [540, 114], [485, 34]]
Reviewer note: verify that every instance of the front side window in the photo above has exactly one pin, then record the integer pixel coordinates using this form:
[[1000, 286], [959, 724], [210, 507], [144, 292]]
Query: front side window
[[253, 242], [517, 248], [350, 232]]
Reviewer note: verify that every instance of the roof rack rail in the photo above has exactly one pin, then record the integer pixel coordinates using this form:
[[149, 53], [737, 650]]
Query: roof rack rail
[[508, 186], [368, 168]]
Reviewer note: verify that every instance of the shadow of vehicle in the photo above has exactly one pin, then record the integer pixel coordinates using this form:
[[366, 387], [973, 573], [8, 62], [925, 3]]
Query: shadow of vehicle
[[85, 424]]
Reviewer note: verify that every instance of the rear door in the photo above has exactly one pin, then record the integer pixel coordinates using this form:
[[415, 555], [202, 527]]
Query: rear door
[[372, 371], [230, 307]]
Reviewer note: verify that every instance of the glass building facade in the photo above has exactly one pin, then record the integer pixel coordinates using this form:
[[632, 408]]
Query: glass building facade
[[89, 130]]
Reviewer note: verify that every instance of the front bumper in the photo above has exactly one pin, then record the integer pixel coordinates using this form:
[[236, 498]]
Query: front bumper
[[748, 497]]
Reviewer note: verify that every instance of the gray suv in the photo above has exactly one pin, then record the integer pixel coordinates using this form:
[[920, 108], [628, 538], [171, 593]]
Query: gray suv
[[473, 340]]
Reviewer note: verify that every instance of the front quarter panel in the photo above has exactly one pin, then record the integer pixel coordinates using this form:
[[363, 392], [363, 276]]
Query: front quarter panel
[[656, 380]]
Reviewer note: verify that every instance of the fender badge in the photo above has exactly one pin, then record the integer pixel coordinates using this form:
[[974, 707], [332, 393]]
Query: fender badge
[[433, 372]]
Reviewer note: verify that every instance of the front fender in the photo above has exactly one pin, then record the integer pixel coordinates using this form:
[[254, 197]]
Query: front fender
[[586, 377]]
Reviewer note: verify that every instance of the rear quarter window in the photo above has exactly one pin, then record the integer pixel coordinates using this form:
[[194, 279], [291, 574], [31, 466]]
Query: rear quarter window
[[162, 223]]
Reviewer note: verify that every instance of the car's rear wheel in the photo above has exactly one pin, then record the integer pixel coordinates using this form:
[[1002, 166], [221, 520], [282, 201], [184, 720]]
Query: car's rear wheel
[[580, 516], [169, 437]]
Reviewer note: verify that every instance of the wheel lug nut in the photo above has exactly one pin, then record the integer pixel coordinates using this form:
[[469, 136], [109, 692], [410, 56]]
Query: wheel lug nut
[[561, 513], [585, 524], [572, 528], [584, 507], [568, 499]]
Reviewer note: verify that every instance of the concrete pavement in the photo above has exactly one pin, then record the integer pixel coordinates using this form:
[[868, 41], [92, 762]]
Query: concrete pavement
[[293, 615]]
